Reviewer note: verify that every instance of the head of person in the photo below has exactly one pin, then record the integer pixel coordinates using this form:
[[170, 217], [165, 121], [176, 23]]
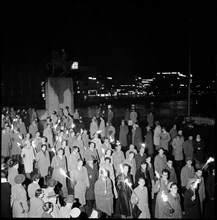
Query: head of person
[[75, 149], [85, 131], [132, 147], [126, 168], [13, 163], [44, 139], [180, 132], [148, 128], [178, 137], [64, 143], [96, 135], [161, 151], [188, 161], [37, 134], [144, 165], [80, 162], [48, 125], [199, 172], [39, 193], [157, 123], [78, 136], [92, 145], [164, 129], [123, 122], [174, 126], [43, 147], [198, 138], [36, 177], [60, 151], [106, 141], [148, 159], [170, 163], [173, 188], [108, 152], [107, 160], [141, 182], [48, 207], [142, 150], [131, 155], [190, 137], [118, 147], [165, 174]]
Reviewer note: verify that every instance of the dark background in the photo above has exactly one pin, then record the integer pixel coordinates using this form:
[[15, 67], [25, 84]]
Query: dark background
[[118, 39]]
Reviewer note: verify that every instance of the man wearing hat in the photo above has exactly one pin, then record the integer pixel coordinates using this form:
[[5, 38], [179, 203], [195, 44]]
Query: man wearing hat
[[34, 185], [187, 172], [19, 197], [66, 210]]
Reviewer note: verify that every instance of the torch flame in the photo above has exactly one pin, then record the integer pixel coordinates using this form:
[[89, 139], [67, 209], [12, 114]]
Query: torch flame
[[98, 132], [157, 174], [143, 145]]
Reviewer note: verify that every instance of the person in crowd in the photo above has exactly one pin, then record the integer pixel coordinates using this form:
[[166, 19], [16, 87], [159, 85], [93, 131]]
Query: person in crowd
[[118, 158], [131, 148], [33, 128], [160, 161], [188, 147], [173, 132], [177, 145], [73, 158], [104, 193], [133, 116], [32, 187], [210, 194], [93, 127], [157, 133], [59, 163], [106, 145], [191, 201], [43, 159], [199, 148], [164, 140], [19, 198], [93, 174], [137, 136], [91, 150], [71, 139], [201, 188], [13, 166], [81, 181], [150, 169], [132, 163], [6, 211], [140, 157], [102, 127], [172, 208], [98, 143], [79, 143], [187, 173], [16, 144], [6, 144], [110, 168], [51, 184], [172, 173], [140, 197], [150, 119], [36, 142], [53, 198], [36, 204], [124, 187], [149, 142], [110, 132], [161, 186], [28, 156], [65, 211], [110, 116], [123, 135], [47, 210], [48, 133], [66, 150], [85, 138], [21, 125]]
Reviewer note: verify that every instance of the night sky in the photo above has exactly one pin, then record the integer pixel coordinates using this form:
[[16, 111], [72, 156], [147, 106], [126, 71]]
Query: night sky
[[119, 40]]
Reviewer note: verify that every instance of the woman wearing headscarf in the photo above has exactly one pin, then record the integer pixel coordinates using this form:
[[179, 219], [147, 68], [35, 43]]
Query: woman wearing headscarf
[[103, 193], [19, 198]]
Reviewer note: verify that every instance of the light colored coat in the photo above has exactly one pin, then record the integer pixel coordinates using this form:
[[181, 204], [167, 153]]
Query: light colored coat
[[28, 158], [81, 177], [164, 140], [186, 174], [48, 133], [6, 145], [12, 172], [102, 128], [157, 133], [36, 205], [93, 128], [18, 194], [16, 150]]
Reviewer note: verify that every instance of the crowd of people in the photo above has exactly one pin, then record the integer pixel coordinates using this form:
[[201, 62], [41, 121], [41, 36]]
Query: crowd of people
[[68, 169]]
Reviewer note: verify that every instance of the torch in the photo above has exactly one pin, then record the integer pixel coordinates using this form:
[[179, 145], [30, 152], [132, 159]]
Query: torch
[[143, 144], [211, 159], [98, 132], [62, 172], [157, 174]]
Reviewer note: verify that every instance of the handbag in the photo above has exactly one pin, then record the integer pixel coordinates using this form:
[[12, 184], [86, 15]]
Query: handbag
[[136, 211]]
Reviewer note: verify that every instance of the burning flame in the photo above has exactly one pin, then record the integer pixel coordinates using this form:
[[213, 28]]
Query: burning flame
[[98, 132], [143, 145], [157, 174]]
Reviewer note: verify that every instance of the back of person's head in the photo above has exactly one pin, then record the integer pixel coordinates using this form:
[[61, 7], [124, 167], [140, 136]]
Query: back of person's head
[[47, 206]]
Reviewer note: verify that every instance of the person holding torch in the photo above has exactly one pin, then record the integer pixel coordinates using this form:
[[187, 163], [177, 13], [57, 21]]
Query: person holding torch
[[191, 200]]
